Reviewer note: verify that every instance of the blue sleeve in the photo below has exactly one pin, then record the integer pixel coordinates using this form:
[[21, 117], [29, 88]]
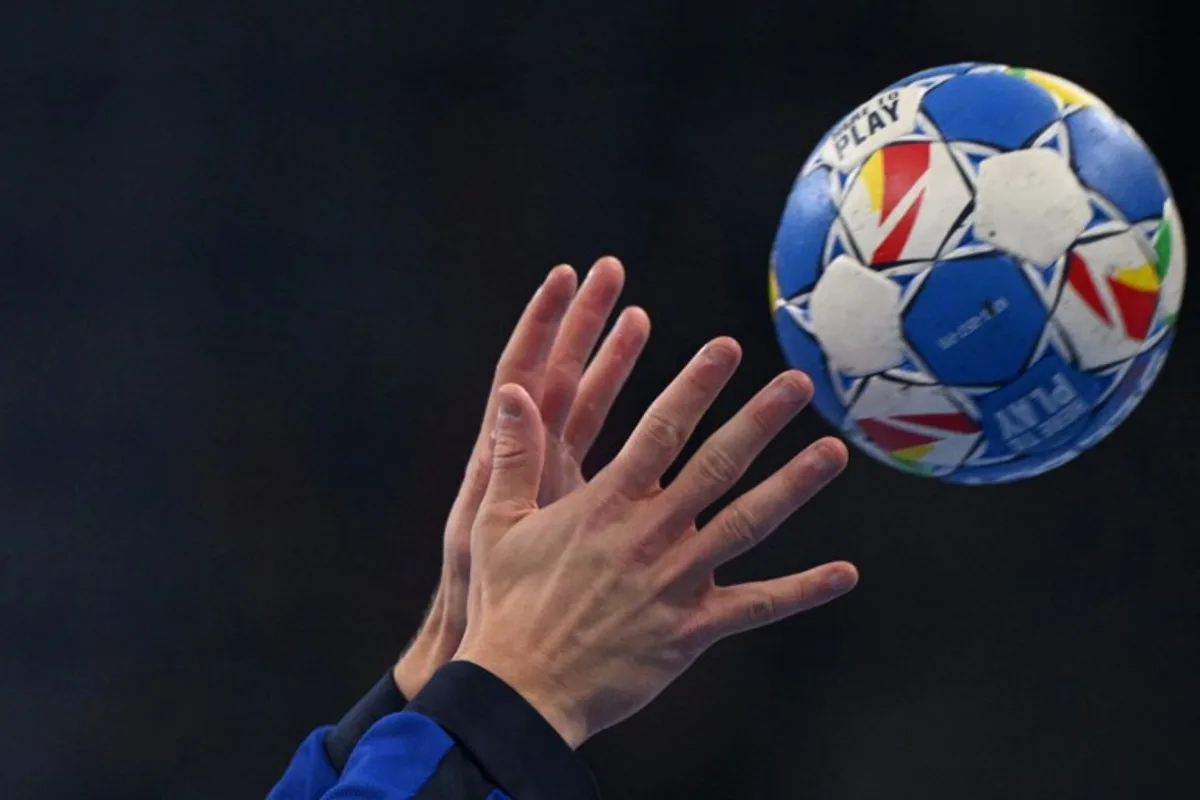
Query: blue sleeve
[[407, 756], [383, 699], [466, 736], [310, 774], [319, 762]]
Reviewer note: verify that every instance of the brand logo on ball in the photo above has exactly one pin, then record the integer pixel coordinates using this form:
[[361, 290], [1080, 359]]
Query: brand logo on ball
[[866, 122], [974, 323], [1040, 410], [1044, 412], [882, 119]]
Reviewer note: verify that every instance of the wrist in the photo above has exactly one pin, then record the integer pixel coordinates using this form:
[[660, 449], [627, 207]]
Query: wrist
[[410, 674], [543, 693], [426, 653], [424, 656]]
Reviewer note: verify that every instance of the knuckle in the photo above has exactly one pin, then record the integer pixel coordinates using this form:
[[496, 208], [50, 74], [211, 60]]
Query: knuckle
[[740, 528], [508, 453], [642, 553], [702, 381], [663, 432], [571, 360], [506, 511], [762, 420], [610, 505], [695, 634], [760, 609], [718, 467]]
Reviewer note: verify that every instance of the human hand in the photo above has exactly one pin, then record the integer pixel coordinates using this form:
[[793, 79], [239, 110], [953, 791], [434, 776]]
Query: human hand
[[546, 356], [591, 607]]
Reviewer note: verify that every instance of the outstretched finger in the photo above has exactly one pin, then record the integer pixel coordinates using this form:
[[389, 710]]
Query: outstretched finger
[[525, 357], [523, 362], [729, 452], [604, 379], [755, 515], [747, 606], [669, 422], [581, 329]]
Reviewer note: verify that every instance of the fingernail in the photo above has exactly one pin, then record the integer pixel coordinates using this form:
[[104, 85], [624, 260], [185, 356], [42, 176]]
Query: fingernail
[[840, 582], [829, 459], [718, 355], [788, 393], [562, 290], [509, 411]]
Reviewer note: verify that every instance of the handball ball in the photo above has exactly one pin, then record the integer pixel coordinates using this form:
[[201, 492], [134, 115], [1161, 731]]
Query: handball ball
[[980, 269]]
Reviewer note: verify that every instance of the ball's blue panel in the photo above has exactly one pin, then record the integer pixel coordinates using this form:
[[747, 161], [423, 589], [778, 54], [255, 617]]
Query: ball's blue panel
[[992, 108], [1110, 159], [975, 321], [934, 72], [1043, 411], [800, 240], [1142, 373], [803, 353], [1017, 469]]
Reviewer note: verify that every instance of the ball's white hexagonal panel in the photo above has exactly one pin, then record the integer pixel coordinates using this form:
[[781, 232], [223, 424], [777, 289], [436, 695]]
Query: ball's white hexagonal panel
[[855, 316], [1030, 204]]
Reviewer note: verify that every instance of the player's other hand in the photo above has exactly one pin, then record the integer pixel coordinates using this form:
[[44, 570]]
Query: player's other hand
[[591, 606], [549, 356]]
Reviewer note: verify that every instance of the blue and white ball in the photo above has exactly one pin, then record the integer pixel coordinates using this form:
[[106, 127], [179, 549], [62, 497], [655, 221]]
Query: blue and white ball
[[981, 269]]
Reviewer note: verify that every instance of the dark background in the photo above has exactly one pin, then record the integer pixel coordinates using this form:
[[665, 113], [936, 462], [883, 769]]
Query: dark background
[[258, 259]]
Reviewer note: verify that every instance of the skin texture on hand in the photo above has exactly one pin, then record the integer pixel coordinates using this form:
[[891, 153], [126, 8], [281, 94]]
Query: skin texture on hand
[[591, 606], [549, 356]]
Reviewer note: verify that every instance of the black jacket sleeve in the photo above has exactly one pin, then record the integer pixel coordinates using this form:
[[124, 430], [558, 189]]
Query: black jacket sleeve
[[466, 736], [383, 699], [501, 737]]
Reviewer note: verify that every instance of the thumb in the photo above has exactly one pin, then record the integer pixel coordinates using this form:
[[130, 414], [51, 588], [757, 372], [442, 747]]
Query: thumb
[[518, 449]]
